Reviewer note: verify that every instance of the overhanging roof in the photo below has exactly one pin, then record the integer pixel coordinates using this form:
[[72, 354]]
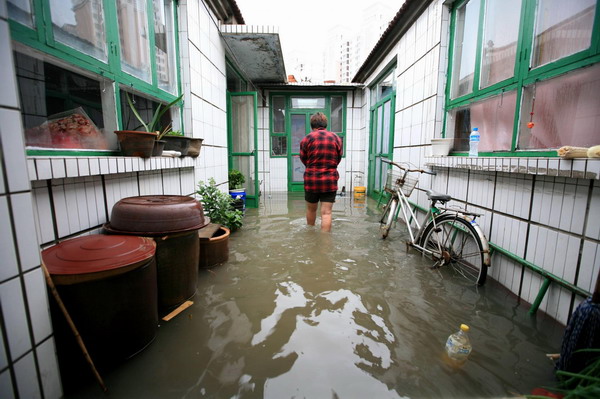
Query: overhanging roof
[[257, 52]]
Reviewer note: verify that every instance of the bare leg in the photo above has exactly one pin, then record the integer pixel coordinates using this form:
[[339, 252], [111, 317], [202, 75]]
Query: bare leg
[[311, 213], [326, 208]]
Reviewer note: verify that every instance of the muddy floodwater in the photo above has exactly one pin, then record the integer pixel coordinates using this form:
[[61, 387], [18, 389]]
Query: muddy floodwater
[[297, 313]]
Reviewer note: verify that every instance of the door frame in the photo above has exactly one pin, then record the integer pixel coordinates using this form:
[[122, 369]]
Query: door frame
[[252, 200], [375, 156]]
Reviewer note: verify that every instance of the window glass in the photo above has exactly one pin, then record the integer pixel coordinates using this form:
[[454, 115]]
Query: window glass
[[278, 145], [465, 46], [133, 35], [60, 108], [566, 111], [308, 102], [20, 11], [278, 114], [562, 28], [500, 34], [337, 112], [164, 42], [493, 116], [299, 130], [145, 108], [80, 25]]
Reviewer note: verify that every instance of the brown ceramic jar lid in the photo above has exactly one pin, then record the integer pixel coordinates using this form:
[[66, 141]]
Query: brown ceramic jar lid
[[156, 214], [97, 255]]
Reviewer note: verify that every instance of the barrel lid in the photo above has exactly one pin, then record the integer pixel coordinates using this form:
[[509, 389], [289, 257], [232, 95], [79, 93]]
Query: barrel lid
[[97, 253], [156, 215]]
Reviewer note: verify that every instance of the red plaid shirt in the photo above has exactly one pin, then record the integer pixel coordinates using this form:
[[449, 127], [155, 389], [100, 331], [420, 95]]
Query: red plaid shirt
[[321, 152]]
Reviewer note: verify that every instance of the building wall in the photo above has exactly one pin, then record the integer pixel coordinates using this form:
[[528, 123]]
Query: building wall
[[47, 199], [544, 210], [273, 172]]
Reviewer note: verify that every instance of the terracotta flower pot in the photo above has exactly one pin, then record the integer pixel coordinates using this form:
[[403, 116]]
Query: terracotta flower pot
[[195, 146], [177, 143], [136, 144], [214, 245], [159, 146]]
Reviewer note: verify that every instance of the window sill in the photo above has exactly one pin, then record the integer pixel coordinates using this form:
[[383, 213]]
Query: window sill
[[581, 168], [45, 167]]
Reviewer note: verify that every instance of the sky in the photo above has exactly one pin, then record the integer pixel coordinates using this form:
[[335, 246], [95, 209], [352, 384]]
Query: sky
[[301, 23]]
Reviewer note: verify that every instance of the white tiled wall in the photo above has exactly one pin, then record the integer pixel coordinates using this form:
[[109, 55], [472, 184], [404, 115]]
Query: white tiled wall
[[542, 210], [27, 370]]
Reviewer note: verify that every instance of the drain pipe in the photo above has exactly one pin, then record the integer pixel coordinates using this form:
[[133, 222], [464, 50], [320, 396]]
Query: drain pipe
[[548, 277]]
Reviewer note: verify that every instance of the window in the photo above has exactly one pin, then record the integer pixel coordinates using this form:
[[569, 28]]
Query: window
[[65, 54], [385, 87], [524, 73], [289, 117]]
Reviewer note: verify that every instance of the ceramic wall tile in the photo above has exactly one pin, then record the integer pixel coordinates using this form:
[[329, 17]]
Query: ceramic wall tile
[[37, 300], [593, 227], [12, 146], [25, 230], [48, 366], [15, 318], [26, 376], [9, 94], [8, 254], [71, 167]]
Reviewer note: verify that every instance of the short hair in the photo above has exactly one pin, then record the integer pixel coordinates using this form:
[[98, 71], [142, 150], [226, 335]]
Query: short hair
[[318, 120]]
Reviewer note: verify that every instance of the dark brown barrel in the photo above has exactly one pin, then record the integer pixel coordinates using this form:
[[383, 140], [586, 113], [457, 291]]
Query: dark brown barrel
[[173, 221], [108, 285]]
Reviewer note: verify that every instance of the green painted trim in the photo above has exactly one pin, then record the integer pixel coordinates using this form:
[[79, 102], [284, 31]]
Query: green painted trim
[[151, 42], [524, 76], [563, 283]]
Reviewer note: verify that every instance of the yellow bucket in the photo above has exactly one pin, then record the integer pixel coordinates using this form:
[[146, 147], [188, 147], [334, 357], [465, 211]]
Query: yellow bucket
[[359, 191]]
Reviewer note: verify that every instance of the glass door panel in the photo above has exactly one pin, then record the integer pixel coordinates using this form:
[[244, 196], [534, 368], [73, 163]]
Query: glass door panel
[[243, 140], [299, 127], [381, 139]]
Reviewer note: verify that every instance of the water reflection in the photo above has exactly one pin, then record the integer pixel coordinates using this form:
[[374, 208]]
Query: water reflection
[[300, 313]]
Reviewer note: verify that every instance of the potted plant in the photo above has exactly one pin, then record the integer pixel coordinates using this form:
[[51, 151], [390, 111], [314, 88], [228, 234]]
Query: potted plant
[[218, 205], [176, 141], [142, 143], [214, 238], [236, 190]]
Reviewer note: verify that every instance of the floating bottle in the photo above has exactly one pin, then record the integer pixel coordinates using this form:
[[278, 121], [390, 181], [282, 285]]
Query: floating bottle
[[458, 346], [474, 138]]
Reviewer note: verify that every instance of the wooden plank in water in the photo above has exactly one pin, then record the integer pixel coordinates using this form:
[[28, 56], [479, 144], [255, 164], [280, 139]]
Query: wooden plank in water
[[179, 309], [207, 232]]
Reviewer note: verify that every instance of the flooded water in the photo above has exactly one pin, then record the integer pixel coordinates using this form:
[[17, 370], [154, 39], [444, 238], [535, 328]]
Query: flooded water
[[297, 313]]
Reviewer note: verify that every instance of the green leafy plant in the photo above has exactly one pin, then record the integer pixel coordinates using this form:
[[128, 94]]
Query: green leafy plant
[[177, 133], [154, 125], [582, 385], [219, 205], [236, 179]]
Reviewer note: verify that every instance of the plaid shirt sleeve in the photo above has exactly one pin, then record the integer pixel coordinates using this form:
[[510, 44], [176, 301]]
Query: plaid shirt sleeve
[[321, 152]]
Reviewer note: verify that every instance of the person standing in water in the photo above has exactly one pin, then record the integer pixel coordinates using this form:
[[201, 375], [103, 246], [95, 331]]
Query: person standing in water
[[320, 152]]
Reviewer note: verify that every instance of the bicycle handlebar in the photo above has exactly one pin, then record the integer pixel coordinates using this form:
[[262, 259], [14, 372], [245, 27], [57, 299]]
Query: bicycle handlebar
[[385, 160]]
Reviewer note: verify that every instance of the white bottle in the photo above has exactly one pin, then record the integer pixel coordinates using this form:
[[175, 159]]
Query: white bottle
[[458, 346], [474, 142]]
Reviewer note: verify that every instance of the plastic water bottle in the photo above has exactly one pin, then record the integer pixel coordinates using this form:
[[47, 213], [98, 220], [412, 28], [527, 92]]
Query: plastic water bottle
[[458, 346], [474, 142]]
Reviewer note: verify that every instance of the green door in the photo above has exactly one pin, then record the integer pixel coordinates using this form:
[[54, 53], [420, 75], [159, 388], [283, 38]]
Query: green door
[[299, 127], [243, 141], [381, 133]]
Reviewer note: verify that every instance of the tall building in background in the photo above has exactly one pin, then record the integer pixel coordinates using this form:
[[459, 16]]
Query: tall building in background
[[349, 46]]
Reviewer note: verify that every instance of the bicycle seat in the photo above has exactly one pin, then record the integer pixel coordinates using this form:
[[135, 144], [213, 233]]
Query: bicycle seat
[[432, 195]]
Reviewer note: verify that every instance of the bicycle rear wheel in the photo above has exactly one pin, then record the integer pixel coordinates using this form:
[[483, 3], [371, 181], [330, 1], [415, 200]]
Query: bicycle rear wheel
[[385, 223], [455, 243]]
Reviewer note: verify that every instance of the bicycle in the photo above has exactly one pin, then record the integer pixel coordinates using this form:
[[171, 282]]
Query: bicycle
[[449, 236]]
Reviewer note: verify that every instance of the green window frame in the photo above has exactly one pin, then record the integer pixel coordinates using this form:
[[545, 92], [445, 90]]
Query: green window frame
[[40, 37], [336, 99], [488, 97]]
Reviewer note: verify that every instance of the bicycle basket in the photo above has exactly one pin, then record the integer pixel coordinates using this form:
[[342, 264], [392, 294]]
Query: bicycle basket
[[399, 180]]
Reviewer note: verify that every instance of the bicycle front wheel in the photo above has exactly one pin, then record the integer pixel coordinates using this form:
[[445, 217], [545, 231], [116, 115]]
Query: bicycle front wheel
[[455, 243], [385, 223]]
